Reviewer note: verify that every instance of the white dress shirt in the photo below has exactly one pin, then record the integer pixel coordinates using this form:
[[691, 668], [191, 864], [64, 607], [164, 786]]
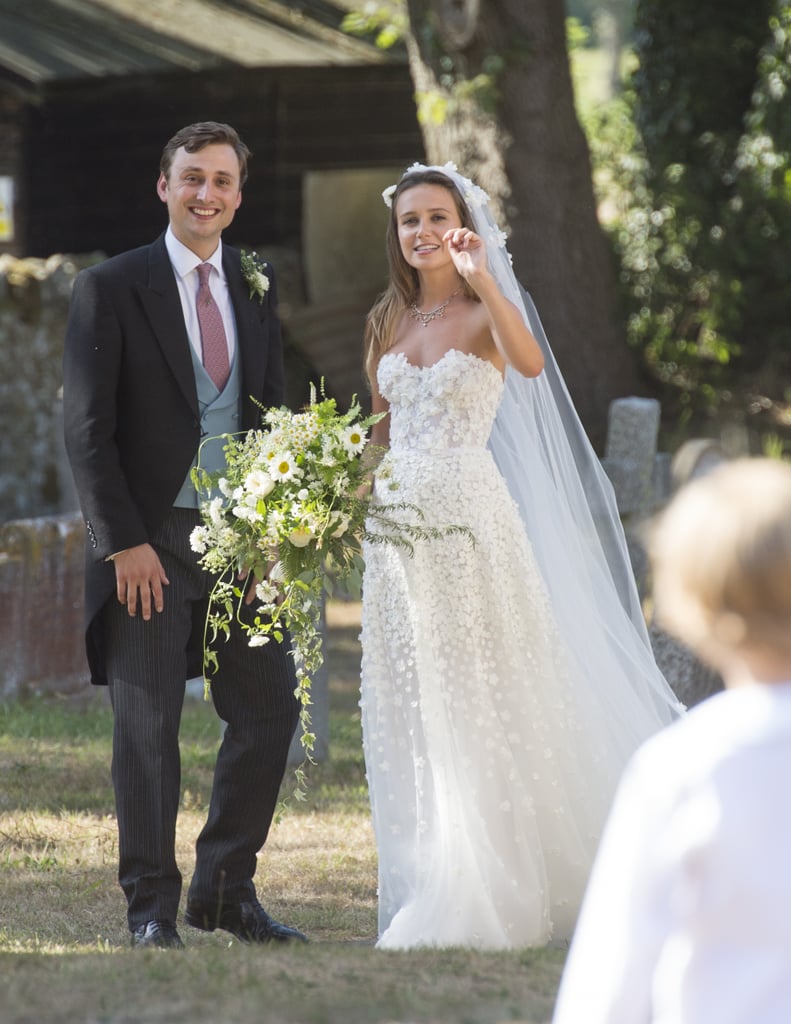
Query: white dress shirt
[[185, 264], [687, 916]]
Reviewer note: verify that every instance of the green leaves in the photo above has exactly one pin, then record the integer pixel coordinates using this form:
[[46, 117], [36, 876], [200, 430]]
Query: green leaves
[[386, 20], [694, 169]]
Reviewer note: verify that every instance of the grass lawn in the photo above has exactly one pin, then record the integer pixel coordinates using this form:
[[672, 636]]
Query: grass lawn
[[64, 952]]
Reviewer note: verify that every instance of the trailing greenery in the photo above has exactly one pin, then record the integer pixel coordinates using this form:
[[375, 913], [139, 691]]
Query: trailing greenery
[[694, 165]]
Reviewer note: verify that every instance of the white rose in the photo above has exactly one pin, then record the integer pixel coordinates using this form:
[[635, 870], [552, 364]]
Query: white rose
[[342, 526], [199, 539], [265, 592], [301, 537], [259, 483]]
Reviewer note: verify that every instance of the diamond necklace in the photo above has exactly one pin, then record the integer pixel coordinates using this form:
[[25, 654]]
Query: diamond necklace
[[434, 314]]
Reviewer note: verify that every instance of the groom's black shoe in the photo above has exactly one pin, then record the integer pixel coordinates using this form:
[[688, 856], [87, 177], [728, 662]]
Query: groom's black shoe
[[248, 921], [156, 935]]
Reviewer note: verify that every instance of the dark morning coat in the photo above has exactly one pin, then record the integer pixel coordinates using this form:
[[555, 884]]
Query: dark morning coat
[[130, 404]]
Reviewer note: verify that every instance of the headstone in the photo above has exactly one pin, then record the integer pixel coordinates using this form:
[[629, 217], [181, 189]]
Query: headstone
[[695, 458], [630, 454], [41, 601], [637, 473], [691, 680], [643, 480]]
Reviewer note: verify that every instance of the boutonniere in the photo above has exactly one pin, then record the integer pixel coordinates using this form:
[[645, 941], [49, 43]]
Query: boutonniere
[[253, 272]]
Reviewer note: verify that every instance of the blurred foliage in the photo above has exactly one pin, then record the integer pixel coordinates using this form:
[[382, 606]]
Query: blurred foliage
[[578, 35], [694, 174], [386, 20], [588, 12]]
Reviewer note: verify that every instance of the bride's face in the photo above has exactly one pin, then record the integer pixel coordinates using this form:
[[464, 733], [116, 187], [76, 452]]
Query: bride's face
[[423, 214]]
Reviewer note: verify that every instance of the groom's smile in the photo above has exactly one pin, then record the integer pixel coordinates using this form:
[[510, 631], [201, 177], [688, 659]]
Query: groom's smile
[[202, 211]]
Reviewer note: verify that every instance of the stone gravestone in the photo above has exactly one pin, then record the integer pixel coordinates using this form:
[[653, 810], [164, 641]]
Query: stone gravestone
[[41, 632], [638, 474], [691, 680], [643, 480]]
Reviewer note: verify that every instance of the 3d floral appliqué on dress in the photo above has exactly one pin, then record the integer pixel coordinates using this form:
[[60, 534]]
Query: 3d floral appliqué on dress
[[488, 776]]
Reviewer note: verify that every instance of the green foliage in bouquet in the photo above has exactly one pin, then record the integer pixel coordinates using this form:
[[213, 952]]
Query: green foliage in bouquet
[[288, 516]]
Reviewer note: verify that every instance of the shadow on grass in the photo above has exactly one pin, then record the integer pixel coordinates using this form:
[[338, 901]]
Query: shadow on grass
[[64, 953]]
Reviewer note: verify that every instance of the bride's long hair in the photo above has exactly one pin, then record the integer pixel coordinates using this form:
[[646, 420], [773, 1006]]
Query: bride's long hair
[[404, 285]]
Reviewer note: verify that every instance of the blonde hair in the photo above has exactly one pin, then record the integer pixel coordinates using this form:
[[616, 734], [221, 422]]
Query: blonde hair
[[404, 284], [721, 557]]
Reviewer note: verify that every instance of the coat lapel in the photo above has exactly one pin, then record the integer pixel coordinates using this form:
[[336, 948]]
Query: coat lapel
[[162, 305], [250, 336]]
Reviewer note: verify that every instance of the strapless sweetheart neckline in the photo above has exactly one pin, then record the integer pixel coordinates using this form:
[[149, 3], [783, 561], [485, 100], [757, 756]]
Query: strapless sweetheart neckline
[[450, 352]]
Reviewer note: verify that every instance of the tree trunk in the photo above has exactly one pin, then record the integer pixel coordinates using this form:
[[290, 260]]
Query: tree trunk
[[529, 152]]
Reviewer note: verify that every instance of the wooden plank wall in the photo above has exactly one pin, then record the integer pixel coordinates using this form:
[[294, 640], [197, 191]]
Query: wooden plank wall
[[92, 150]]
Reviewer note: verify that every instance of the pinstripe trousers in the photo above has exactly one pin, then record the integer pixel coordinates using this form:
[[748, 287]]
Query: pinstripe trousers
[[253, 692]]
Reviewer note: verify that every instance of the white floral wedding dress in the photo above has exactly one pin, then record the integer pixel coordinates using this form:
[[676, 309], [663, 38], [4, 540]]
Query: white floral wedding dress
[[490, 763]]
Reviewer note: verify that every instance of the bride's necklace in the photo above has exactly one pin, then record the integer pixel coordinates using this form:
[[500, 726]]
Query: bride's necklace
[[434, 314]]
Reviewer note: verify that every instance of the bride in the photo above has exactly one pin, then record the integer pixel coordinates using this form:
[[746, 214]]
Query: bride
[[506, 673]]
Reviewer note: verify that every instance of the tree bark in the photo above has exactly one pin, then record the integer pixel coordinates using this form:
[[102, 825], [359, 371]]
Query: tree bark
[[529, 152]]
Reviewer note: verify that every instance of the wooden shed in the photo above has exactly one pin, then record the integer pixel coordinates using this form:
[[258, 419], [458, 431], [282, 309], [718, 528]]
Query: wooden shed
[[90, 90]]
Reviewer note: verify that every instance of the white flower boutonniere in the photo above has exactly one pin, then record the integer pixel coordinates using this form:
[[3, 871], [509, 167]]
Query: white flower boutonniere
[[253, 272]]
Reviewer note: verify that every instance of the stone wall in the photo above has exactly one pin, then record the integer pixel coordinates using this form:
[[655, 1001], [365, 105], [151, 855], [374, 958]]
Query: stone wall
[[41, 602], [34, 298], [41, 535]]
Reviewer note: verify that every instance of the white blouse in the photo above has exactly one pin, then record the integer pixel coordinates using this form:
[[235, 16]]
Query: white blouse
[[687, 915]]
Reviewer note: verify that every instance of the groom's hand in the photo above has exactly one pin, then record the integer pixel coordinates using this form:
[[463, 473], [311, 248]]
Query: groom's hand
[[251, 582], [139, 576]]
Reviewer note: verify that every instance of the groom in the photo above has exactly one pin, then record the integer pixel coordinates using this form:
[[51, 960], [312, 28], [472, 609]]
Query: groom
[[165, 347]]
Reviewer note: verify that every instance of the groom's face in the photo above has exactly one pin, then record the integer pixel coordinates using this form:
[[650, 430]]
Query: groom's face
[[202, 192]]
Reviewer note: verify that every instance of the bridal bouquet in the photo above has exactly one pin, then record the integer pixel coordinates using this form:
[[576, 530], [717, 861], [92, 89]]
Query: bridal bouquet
[[291, 509]]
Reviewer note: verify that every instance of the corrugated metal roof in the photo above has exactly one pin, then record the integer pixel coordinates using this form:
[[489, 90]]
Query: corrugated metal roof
[[47, 40]]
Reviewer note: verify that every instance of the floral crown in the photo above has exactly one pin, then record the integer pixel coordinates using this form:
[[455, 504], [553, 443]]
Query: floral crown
[[474, 196]]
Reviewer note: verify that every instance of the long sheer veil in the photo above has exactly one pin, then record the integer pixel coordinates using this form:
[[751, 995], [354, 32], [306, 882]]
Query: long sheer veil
[[570, 513]]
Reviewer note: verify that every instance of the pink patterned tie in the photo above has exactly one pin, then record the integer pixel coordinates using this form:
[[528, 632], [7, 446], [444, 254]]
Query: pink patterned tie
[[212, 332]]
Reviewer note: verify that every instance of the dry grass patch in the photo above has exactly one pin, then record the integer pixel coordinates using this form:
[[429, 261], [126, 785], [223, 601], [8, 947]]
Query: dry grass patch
[[64, 953]]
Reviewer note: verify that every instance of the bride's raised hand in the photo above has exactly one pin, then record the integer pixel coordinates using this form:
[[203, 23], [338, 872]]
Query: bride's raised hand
[[467, 250]]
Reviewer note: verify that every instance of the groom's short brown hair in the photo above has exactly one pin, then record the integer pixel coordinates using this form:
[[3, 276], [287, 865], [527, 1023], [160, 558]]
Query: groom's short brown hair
[[205, 133]]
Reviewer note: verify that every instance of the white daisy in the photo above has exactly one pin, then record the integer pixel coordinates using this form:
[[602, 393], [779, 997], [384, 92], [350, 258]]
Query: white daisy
[[353, 439], [283, 466]]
